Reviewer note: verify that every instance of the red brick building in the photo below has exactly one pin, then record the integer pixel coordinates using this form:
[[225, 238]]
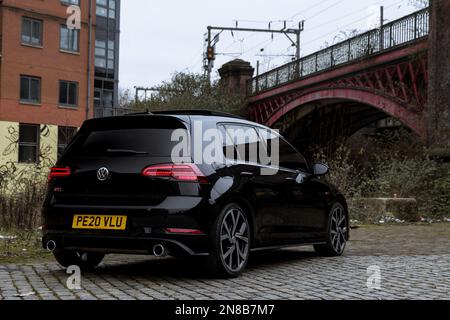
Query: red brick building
[[53, 76]]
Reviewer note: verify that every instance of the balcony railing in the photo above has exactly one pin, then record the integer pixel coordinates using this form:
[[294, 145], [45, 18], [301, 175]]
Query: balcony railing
[[397, 33], [101, 112]]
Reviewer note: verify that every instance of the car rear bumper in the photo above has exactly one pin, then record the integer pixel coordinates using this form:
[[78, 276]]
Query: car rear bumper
[[195, 245], [146, 227]]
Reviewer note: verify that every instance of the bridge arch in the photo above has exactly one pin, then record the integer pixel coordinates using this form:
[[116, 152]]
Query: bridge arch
[[389, 106]]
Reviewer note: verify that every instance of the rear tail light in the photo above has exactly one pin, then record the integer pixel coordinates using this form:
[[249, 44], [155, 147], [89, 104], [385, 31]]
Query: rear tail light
[[58, 172], [178, 172]]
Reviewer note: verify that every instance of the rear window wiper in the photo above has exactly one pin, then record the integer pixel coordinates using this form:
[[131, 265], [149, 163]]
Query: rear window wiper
[[126, 151]]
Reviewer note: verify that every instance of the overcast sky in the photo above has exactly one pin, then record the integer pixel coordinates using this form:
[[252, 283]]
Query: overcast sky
[[161, 37]]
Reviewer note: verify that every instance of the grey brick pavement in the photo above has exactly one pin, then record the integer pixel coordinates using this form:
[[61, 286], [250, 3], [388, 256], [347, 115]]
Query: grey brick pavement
[[284, 274]]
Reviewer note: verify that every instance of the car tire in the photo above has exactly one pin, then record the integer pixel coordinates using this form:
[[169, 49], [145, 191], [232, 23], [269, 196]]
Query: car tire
[[85, 260], [337, 233], [230, 238]]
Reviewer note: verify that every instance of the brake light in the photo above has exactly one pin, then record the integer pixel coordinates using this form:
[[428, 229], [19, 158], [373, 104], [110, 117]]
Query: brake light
[[58, 172], [178, 172]]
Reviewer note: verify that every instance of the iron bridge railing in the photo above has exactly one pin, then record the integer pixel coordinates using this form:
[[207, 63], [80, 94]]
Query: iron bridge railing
[[408, 29]]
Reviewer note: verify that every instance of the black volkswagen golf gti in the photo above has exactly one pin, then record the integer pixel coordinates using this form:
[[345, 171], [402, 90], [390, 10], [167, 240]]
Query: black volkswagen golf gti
[[117, 189]]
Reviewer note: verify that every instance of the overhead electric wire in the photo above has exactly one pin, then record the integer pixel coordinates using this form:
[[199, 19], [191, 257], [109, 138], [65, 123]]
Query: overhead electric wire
[[346, 25], [277, 38], [260, 21], [349, 15], [324, 10], [308, 9], [273, 40], [351, 23]]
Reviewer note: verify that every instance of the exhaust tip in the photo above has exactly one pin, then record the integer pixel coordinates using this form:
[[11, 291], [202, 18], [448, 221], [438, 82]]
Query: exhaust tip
[[51, 245], [159, 250]]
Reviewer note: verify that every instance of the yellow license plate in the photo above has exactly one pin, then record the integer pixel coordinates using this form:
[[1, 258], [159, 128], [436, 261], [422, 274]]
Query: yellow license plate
[[99, 222]]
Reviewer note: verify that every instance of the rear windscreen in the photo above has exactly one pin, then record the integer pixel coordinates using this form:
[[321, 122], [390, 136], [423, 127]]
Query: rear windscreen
[[107, 141]]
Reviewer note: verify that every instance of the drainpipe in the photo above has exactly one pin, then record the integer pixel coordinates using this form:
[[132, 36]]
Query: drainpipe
[[89, 81]]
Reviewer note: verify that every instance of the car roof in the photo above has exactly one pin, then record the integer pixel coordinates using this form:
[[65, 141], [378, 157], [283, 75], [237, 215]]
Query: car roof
[[206, 113], [186, 116]]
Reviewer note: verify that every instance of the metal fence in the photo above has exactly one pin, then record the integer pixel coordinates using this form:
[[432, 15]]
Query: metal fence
[[396, 33], [100, 112]]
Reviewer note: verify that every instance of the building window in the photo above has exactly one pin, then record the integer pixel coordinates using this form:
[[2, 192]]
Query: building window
[[106, 8], [71, 2], [31, 31], [68, 93], [70, 39], [65, 135], [104, 94], [100, 54], [30, 89], [29, 143], [104, 56]]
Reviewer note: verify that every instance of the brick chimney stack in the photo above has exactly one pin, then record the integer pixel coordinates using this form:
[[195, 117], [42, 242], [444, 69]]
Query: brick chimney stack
[[234, 76]]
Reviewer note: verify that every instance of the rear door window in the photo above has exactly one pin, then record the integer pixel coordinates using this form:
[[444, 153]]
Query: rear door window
[[228, 147], [244, 140], [289, 158]]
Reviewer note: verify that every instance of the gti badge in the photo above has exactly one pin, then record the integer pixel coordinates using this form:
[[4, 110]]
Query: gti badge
[[103, 174]]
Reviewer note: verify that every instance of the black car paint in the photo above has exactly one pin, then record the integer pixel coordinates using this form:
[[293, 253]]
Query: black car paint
[[288, 208]]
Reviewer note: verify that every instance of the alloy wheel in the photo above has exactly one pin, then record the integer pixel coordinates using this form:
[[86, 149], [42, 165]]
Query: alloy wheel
[[338, 229], [234, 239]]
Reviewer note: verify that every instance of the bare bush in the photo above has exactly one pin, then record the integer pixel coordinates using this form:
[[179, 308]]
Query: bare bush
[[190, 91], [21, 196], [395, 166], [345, 171]]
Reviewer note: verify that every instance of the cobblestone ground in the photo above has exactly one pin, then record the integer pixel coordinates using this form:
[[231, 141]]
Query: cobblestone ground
[[414, 263]]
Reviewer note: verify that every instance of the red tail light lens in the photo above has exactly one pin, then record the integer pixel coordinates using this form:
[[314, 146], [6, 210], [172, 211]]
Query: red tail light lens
[[58, 172], [178, 172]]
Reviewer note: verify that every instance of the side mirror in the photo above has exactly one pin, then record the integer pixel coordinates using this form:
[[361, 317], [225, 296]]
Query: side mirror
[[320, 169]]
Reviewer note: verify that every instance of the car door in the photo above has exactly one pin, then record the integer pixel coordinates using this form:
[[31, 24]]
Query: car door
[[301, 215], [253, 178], [305, 196], [279, 212], [310, 214]]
